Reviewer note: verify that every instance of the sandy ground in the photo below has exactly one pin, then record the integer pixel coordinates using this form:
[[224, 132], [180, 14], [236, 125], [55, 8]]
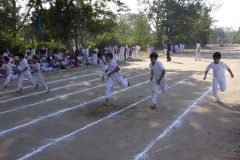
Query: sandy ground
[[70, 123]]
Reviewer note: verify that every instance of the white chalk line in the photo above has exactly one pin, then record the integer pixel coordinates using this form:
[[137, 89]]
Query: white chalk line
[[142, 154], [65, 110], [60, 80], [96, 122], [52, 89], [50, 99]]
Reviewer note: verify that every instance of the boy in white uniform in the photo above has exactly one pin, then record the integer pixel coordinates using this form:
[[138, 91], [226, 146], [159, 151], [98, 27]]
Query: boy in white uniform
[[218, 75], [25, 72], [37, 73], [158, 78], [198, 51], [113, 76], [8, 68], [102, 66]]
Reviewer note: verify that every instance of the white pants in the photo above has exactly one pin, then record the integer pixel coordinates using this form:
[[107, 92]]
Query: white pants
[[21, 78], [198, 55], [8, 78], [222, 85], [111, 81], [101, 72], [94, 58], [134, 54], [163, 86], [40, 79]]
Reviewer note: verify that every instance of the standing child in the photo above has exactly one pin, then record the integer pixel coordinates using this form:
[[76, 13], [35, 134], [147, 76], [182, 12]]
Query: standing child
[[8, 68], [158, 77], [102, 65], [198, 51], [37, 73], [25, 72], [218, 75], [113, 76]]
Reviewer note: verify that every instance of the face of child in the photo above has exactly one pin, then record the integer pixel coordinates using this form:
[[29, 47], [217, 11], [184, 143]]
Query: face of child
[[108, 58], [6, 62], [34, 60], [20, 58], [216, 60], [153, 60]]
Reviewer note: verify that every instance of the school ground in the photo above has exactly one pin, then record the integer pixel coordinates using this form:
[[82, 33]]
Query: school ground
[[70, 123]]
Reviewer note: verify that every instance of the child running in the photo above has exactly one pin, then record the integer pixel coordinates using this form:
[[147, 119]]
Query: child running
[[37, 73], [113, 76], [158, 78], [8, 68], [218, 75], [102, 65], [25, 72]]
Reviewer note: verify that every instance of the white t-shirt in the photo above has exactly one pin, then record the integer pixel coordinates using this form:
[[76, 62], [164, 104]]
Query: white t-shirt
[[218, 69], [102, 66], [198, 46], [112, 65], [23, 65], [157, 70], [5, 55], [36, 66], [8, 67]]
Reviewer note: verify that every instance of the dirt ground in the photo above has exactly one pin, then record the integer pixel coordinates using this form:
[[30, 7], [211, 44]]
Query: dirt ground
[[70, 123]]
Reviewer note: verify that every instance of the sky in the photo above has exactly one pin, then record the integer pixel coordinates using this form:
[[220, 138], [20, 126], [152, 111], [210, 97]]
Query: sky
[[227, 15]]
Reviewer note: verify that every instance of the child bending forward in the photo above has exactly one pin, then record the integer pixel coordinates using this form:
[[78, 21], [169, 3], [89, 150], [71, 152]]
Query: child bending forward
[[218, 75], [157, 77], [37, 73], [102, 65], [113, 76]]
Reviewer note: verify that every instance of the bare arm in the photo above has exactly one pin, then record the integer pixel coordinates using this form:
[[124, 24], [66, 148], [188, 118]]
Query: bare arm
[[229, 70], [205, 75], [114, 71], [151, 78], [162, 75]]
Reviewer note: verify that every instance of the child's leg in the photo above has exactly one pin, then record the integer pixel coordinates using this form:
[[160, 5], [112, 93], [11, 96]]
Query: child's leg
[[215, 89], [163, 86], [154, 93], [199, 55], [20, 80], [31, 80], [223, 85], [110, 82], [122, 82], [41, 81], [7, 80]]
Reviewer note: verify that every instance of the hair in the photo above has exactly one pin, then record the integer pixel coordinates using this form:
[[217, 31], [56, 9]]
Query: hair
[[6, 59], [197, 41], [99, 54], [109, 54], [21, 55], [35, 57], [217, 55], [154, 54]]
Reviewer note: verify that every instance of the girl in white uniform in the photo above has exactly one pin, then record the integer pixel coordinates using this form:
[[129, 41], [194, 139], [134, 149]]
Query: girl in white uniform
[[158, 77], [8, 68], [25, 72], [218, 75], [102, 66], [114, 76], [37, 75]]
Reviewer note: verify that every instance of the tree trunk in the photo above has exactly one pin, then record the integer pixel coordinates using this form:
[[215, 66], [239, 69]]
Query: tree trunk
[[64, 39]]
